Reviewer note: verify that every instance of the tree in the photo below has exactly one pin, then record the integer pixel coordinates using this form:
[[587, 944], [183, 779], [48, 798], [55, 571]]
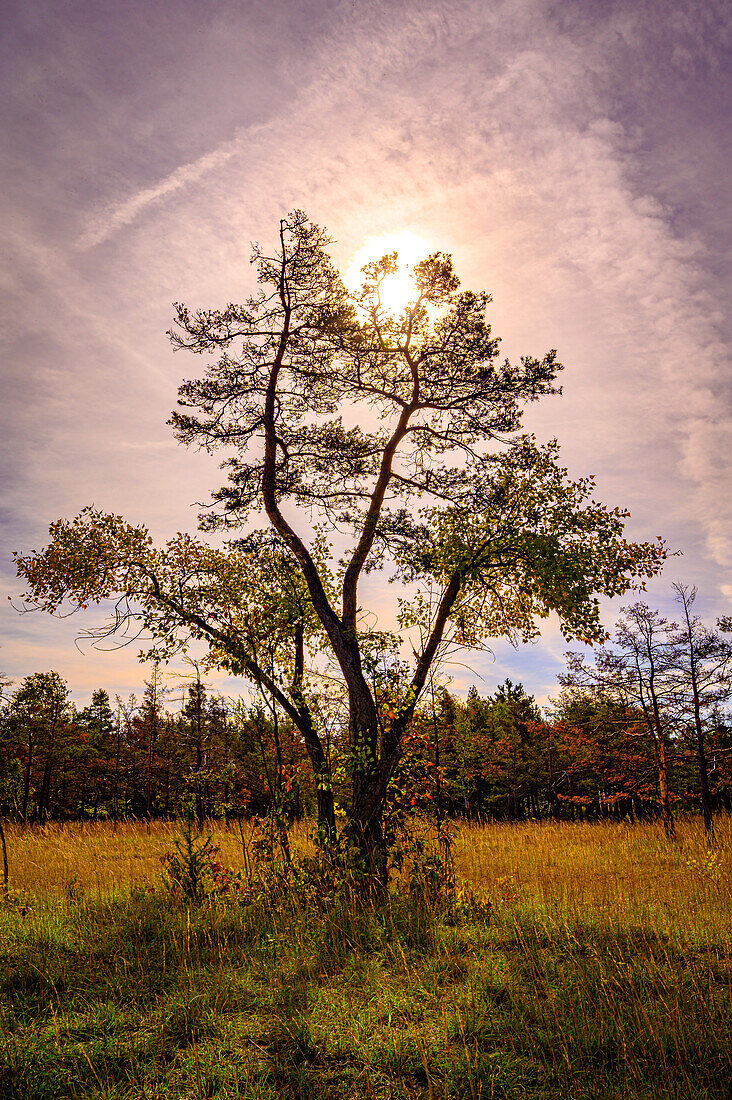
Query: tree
[[195, 712], [480, 525], [124, 723], [11, 778], [38, 717], [638, 672], [96, 724], [98, 720], [703, 681], [602, 753], [515, 719], [492, 756], [149, 722]]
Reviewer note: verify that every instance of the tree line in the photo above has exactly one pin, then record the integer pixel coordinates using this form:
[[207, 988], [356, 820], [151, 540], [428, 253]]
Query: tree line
[[640, 729]]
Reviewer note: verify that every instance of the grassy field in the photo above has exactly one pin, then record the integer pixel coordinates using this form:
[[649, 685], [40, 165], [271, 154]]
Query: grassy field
[[605, 971]]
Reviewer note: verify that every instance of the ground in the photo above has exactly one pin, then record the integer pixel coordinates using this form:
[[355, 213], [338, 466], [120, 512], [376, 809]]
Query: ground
[[604, 969]]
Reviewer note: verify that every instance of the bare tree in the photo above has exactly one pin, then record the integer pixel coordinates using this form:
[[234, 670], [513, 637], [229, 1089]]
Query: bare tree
[[703, 681], [639, 671]]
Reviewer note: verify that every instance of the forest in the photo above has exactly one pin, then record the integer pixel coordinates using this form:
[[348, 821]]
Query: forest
[[641, 732]]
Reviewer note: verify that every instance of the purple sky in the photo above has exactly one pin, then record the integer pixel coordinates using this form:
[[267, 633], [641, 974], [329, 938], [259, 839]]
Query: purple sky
[[574, 157]]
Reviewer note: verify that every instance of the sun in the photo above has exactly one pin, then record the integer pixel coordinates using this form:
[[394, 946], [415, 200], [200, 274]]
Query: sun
[[399, 289]]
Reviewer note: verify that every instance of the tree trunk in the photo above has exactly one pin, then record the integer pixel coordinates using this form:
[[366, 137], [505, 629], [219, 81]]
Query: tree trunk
[[659, 738], [371, 777], [326, 809], [148, 785], [27, 779], [5, 859], [701, 755], [706, 800], [366, 836], [116, 770], [44, 796], [669, 824]]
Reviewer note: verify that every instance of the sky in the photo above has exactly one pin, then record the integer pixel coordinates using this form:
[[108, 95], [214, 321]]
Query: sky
[[572, 156]]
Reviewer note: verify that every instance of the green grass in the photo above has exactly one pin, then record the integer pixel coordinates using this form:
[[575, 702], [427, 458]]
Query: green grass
[[606, 971]]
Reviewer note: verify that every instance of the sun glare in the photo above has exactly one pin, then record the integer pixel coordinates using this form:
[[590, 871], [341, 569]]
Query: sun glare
[[397, 290]]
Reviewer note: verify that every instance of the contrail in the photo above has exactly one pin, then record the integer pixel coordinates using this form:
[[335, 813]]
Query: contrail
[[122, 214]]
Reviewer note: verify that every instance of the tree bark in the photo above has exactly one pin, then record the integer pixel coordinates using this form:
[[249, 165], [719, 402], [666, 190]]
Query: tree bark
[[658, 735], [5, 858]]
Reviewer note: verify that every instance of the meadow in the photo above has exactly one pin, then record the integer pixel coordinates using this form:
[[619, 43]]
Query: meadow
[[604, 969]]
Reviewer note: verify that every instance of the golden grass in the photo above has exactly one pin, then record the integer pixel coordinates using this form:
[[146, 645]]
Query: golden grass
[[623, 873], [98, 859], [628, 874]]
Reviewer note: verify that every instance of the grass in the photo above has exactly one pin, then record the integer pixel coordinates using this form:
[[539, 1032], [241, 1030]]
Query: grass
[[605, 971]]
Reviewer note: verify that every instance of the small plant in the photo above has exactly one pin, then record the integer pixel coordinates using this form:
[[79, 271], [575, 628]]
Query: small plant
[[225, 879], [430, 875], [506, 889], [17, 900], [467, 906], [140, 891], [188, 869], [425, 860], [709, 866]]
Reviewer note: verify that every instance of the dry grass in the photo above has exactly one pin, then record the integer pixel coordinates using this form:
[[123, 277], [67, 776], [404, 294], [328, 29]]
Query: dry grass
[[628, 874], [99, 859], [624, 872]]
